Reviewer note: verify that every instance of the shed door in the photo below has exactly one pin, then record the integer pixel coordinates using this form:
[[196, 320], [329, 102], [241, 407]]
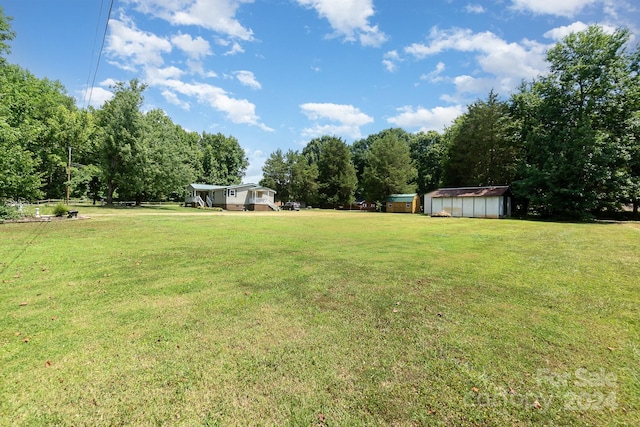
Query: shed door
[[456, 206]]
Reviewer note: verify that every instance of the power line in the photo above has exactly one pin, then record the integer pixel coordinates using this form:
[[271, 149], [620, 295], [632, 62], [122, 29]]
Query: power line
[[104, 35], [93, 50]]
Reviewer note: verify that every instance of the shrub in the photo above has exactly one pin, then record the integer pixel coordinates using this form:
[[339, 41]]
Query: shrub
[[9, 212], [60, 210]]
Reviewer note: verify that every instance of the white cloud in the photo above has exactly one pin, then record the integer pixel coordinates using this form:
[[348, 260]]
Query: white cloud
[[172, 98], [216, 15], [96, 96], [127, 43], [158, 75], [426, 119], [465, 84], [194, 48], [435, 75], [135, 48], [235, 49], [348, 119], [248, 79], [502, 65], [474, 8], [236, 110], [349, 19], [390, 60], [566, 8], [560, 33], [108, 83]]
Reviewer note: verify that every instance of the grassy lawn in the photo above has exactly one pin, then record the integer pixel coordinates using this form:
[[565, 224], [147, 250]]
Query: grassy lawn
[[174, 316]]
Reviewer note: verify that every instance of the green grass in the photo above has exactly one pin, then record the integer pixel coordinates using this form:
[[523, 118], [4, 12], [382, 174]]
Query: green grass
[[175, 316]]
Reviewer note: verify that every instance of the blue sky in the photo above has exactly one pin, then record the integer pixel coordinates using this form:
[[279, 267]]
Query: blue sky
[[277, 73]]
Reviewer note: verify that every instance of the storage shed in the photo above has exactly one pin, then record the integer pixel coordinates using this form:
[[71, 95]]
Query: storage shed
[[470, 202], [403, 203]]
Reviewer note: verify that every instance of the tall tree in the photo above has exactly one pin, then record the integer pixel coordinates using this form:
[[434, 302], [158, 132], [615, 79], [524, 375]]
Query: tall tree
[[631, 193], [359, 151], [314, 147], [481, 147], [38, 122], [275, 174], [337, 180], [6, 35], [224, 162], [389, 168], [44, 122], [19, 178], [428, 152], [360, 148], [292, 176], [575, 125], [121, 152], [303, 178], [170, 158]]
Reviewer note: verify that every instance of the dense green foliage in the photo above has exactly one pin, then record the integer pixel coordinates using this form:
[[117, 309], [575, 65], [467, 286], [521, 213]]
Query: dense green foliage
[[481, 148], [9, 212], [428, 152], [6, 35], [222, 158], [388, 168], [292, 175], [577, 126], [337, 180], [117, 151]]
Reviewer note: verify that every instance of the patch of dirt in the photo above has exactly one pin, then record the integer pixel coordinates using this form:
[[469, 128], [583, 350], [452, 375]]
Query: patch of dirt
[[43, 218]]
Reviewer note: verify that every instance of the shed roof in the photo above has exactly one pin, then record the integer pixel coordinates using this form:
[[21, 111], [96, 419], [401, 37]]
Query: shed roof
[[497, 190], [401, 197]]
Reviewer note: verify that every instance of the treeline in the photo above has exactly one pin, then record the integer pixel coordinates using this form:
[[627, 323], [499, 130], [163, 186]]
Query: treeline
[[117, 151], [567, 143]]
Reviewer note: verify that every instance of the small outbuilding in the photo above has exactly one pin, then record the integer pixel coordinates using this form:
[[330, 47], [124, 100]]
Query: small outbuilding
[[403, 203], [469, 202]]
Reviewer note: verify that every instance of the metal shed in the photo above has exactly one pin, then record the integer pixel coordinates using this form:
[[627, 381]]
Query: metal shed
[[470, 202]]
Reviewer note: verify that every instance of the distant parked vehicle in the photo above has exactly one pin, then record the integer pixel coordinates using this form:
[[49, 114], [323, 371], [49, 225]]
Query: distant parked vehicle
[[291, 206]]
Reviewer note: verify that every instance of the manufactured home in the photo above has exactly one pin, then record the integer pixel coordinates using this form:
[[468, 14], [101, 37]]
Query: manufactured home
[[242, 197], [469, 202]]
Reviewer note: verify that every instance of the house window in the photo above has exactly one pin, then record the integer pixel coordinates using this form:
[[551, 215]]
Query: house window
[[231, 193], [408, 206], [389, 205]]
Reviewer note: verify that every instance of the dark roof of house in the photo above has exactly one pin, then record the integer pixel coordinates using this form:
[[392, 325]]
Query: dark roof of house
[[498, 190], [401, 198]]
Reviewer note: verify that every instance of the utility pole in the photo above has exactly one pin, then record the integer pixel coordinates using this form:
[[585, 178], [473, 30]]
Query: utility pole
[[69, 176]]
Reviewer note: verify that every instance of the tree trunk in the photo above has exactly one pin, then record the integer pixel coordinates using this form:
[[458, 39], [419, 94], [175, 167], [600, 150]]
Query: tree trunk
[[110, 190]]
